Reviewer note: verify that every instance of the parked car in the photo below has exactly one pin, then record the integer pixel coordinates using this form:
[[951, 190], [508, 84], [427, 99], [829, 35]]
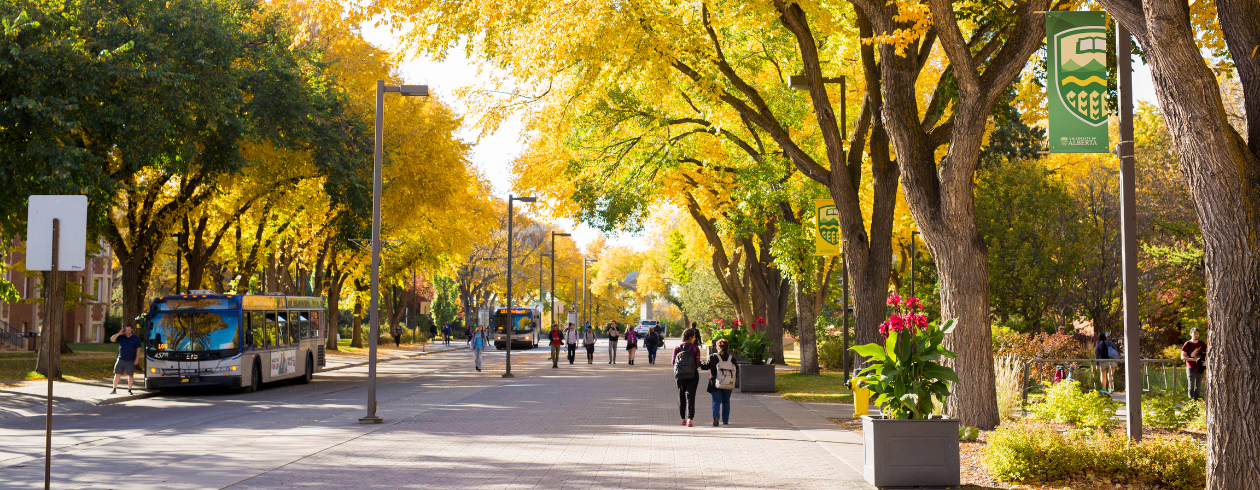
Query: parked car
[[646, 326]]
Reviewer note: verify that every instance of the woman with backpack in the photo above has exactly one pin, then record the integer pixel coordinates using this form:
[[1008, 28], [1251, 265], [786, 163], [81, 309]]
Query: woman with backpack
[[1105, 349], [686, 374], [653, 342], [721, 368], [632, 344], [588, 341], [613, 334]]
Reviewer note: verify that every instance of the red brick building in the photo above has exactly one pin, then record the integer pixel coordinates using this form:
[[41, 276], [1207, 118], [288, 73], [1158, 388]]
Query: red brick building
[[84, 323]]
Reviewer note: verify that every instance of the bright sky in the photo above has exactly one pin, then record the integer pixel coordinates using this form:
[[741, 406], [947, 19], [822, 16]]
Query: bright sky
[[493, 154]]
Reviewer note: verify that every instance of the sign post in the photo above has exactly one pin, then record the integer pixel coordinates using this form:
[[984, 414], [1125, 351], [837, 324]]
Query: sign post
[[56, 239]]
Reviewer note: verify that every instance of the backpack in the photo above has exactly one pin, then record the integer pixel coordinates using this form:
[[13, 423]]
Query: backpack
[[1112, 353], [725, 374], [684, 365]]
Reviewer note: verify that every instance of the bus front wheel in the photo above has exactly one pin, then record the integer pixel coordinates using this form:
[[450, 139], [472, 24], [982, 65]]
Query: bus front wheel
[[255, 378]]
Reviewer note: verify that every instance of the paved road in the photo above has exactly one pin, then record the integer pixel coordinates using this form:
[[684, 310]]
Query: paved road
[[446, 426]]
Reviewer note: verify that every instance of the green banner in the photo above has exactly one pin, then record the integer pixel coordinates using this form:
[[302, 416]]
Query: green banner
[[1076, 82], [826, 228]]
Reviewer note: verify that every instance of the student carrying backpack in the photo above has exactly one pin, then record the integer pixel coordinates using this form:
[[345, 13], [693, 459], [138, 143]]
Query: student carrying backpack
[[721, 366], [686, 366]]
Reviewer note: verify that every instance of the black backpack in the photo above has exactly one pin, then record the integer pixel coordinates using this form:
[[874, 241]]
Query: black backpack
[[684, 365]]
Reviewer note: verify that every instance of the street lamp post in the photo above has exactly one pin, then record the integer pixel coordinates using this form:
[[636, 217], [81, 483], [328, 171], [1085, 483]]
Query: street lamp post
[[912, 254], [374, 329], [542, 308], [553, 272], [511, 326], [586, 308]]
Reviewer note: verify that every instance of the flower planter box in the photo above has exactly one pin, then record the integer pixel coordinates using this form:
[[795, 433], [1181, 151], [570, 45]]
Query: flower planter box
[[759, 379], [902, 453]]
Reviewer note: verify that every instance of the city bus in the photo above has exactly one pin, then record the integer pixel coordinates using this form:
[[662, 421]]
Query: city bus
[[234, 341], [525, 323]]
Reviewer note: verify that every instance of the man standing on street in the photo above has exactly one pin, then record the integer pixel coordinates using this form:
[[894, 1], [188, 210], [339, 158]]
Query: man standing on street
[[1193, 353], [446, 334], [571, 339], [556, 339], [128, 358]]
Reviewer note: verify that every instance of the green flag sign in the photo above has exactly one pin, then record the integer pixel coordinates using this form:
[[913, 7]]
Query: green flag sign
[[1077, 82]]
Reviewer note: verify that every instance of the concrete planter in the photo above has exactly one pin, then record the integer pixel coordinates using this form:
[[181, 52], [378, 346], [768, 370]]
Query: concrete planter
[[901, 453], [756, 378]]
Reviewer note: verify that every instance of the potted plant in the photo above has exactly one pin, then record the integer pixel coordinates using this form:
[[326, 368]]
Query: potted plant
[[757, 375], [906, 445]]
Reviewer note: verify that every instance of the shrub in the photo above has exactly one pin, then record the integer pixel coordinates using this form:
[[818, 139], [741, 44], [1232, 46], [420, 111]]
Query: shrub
[[1008, 377], [1171, 352], [1038, 453], [1170, 410], [1065, 402], [831, 354], [1199, 422], [968, 433]]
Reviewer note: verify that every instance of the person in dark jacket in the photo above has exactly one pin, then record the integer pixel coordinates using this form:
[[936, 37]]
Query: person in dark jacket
[[1105, 349], [588, 341], [721, 397], [687, 387], [653, 342]]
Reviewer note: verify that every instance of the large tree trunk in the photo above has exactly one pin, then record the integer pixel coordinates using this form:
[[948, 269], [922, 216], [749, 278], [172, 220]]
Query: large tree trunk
[[1223, 174], [357, 340], [806, 315]]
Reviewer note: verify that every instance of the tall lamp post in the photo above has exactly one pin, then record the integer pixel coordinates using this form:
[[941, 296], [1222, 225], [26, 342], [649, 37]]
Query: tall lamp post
[[374, 329], [586, 308], [553, 272], [542, 308], [511, 327], [912, 254]]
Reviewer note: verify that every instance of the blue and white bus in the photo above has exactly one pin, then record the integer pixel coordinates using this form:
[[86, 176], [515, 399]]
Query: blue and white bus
[[525, 325], [236, 341]]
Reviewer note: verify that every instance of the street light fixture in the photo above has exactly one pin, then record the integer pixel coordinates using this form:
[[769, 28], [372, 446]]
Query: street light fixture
[[374, 329], [511, 326]]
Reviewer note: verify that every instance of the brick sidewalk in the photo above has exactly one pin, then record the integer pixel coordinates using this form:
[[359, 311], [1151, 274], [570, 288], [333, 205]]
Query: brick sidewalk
[[586, 426]]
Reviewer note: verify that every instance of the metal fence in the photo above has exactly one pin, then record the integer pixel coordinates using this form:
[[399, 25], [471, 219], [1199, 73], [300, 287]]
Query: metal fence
[[11, 337], [1157, 374]]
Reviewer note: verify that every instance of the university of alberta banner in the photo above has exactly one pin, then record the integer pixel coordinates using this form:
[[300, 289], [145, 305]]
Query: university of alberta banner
[[826, 228], [1076, 82]]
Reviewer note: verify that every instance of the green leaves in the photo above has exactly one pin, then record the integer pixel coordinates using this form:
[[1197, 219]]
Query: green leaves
[[904, 373]]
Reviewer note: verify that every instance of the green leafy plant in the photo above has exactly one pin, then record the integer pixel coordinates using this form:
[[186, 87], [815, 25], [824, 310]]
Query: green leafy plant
[[1035, 452], [756, 348], [734, 337], [968, 433], [904, 373], [1170, 410], [1066, 402]]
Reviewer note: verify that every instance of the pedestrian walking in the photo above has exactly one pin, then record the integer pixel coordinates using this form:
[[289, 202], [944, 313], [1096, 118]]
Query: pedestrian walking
[[721, 366], [1105, 349], [632, 344], [571, 341], [478, 344], [588, 341], [1194, 353], [686, 375], [557, 338], [652, 342], [446, 334], [128, 358], [398, 331], [613, 335]]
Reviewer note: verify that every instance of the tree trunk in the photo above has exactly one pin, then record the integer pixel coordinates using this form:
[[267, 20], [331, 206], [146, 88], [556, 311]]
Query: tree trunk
[[52, 337], [1223, 174], [806, 315], [964, 271]]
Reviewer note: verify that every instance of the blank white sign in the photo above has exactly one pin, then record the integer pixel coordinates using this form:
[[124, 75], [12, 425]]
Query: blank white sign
[[72, 211]]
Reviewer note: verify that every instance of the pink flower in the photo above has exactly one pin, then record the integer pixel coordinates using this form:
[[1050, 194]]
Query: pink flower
[[913, 302], [894, 299]]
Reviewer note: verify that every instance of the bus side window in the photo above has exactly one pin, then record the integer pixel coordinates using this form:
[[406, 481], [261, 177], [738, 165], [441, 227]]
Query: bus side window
[[282, 328], [305, 316], [295, 324], [317, 327], [257, 330], [272, 339]]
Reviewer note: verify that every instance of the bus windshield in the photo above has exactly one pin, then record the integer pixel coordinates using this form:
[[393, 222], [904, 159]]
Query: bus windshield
[[522, 322], [209, 332]]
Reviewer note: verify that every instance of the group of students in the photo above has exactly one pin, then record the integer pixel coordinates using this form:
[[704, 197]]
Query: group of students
[[722, 372], [572, 335]]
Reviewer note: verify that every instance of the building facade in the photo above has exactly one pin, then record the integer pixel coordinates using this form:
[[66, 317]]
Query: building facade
[[83, 323]]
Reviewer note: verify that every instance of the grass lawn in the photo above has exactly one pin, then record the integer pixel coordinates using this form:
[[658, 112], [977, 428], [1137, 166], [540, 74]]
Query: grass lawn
[[343, 347], [824, 388], [71, 369], [103, 350]]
